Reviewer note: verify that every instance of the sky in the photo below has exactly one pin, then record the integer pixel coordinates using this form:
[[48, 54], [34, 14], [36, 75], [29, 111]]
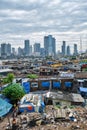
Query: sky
[[33, 19]]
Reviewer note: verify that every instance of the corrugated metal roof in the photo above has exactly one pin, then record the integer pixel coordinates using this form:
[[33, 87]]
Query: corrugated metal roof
[[66, 96]]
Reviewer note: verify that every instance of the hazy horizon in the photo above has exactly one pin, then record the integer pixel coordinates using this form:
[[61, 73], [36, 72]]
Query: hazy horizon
[[33, 19]]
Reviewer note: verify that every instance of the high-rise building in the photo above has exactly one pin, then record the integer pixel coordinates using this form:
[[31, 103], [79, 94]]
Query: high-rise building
[[42, 52], [30, 49], [75, 49], [46, 44], [68, 50], [50, 45], [3, 50], [0, 51], [64, 48], [37, 47], [20, 51], [8, 49], [54, 46], [26, 47], [13, 51]]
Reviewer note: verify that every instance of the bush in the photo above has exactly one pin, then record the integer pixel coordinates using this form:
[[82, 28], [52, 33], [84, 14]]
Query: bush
[[14, 92]]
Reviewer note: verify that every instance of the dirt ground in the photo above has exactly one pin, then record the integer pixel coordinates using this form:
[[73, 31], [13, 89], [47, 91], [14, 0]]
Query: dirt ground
[[80, 124], [55, 126]]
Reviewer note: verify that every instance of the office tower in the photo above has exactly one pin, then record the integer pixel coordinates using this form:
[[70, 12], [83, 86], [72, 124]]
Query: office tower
[[42, 52], [30, 49], [49, 45], [68, 50], [8, 49], [37, 47], [3, 50], [46, 44], [0, 51], [64, 48], [75, 49], [13, 51], [54, 46], [20, 51], [26, 47]]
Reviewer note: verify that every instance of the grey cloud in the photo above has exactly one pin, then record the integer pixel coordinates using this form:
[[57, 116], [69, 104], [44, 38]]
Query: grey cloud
[[23, 17]]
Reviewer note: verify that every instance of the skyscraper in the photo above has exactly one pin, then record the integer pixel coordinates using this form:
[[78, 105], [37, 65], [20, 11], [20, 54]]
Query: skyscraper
[[20, 51], [64, 48], [8, 49], [75, 49], [30, 50], [42, 52], [68, 50], [46, 44], [37, 47], [0, 51], [49, 45], [3, 50], [26, 47], [13, 51], [54, 46]]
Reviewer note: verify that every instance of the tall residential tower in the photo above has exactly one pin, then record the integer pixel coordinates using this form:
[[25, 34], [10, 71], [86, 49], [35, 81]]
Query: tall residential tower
[[26, 47], [50, 45]]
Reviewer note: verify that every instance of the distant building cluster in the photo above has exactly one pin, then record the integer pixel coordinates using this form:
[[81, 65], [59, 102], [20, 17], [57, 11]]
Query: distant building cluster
[[49, 49]]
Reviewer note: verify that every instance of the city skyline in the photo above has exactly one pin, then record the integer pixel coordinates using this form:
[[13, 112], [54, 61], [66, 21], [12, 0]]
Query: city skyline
[[30, 19], [49, 49]]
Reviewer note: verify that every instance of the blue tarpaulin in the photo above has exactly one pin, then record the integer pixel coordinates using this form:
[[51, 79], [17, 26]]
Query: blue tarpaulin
[[4, 107], [45, 84], [26, 86], [42, 107], [68, 84], [83, 89], [29, 107], [50, 62], [3, 97], [56, 84]]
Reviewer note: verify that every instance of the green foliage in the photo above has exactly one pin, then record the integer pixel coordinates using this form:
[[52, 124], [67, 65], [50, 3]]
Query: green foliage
[[71, 107], [57, 106], [5, 81], [9, 78], [14, 92], [32, 76]]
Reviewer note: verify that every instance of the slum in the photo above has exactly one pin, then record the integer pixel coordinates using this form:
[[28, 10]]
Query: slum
[[57, 99]]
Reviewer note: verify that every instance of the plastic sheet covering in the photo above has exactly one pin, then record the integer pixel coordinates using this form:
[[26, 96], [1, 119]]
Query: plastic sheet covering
[[83, 89], [26, 86], [45, 84], [4, 107], [68, 84], [56, 84], [27, 107], [50, 62]]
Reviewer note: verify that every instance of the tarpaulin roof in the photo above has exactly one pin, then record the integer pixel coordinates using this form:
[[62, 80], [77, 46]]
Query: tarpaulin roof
[[4, 107], [26, 86], [45, 84], [83, 89], [67, 84], [50, 62], [56, 84]]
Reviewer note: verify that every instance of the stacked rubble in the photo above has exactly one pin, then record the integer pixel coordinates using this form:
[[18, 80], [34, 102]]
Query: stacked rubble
[[53, 119]]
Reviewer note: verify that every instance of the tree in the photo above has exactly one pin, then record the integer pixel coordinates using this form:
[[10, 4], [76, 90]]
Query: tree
[[14, 92], [9, 78], [32, 76]]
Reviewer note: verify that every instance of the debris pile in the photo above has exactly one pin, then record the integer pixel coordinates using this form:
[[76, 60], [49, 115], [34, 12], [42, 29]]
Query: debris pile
[[53, 118]]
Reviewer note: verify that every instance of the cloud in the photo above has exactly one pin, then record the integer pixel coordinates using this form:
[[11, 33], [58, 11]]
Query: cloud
[[21, 19]]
